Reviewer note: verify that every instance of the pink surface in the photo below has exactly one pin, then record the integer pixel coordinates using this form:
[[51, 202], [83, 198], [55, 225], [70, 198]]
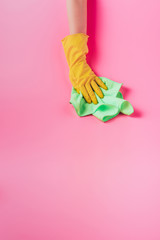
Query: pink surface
[[63, 177]]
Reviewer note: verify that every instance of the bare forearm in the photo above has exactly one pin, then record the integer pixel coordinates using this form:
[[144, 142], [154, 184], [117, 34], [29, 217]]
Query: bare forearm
[[77, 16]]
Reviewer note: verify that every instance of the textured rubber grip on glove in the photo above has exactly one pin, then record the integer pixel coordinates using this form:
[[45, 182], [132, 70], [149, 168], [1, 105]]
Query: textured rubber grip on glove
[[82, 77]]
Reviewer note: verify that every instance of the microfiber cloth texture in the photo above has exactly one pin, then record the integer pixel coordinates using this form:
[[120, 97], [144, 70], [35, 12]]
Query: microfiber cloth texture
[[107, 107]]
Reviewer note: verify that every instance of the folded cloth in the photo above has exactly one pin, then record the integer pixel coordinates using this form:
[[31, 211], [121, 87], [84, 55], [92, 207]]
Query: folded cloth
[[107, 107]]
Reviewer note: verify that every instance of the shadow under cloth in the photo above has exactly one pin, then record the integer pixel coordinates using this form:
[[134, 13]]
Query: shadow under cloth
[[107, 107]]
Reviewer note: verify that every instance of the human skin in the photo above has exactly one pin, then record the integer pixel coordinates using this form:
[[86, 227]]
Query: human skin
[[77, 16]]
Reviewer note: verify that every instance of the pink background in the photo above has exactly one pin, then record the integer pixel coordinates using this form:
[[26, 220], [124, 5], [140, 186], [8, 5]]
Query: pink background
[[63, 177]]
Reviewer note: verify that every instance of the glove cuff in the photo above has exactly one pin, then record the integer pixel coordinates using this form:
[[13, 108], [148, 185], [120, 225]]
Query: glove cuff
[[74, 38], [75, 47]]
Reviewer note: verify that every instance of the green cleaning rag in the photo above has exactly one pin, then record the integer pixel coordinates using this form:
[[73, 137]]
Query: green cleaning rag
[[107, 107]]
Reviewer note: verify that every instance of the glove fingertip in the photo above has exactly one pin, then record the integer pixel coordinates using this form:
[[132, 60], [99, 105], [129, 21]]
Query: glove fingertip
[[105, 87], [88, 100], [101, 95], [95, 102]]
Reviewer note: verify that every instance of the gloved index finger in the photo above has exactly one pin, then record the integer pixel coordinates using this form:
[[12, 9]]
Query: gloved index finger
[[101, 83]]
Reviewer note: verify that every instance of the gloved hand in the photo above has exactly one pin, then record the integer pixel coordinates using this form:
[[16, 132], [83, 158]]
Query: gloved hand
[[82, 77]]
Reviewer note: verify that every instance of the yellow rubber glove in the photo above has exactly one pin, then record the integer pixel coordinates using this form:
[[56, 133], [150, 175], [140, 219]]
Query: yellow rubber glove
[[82, 77]]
